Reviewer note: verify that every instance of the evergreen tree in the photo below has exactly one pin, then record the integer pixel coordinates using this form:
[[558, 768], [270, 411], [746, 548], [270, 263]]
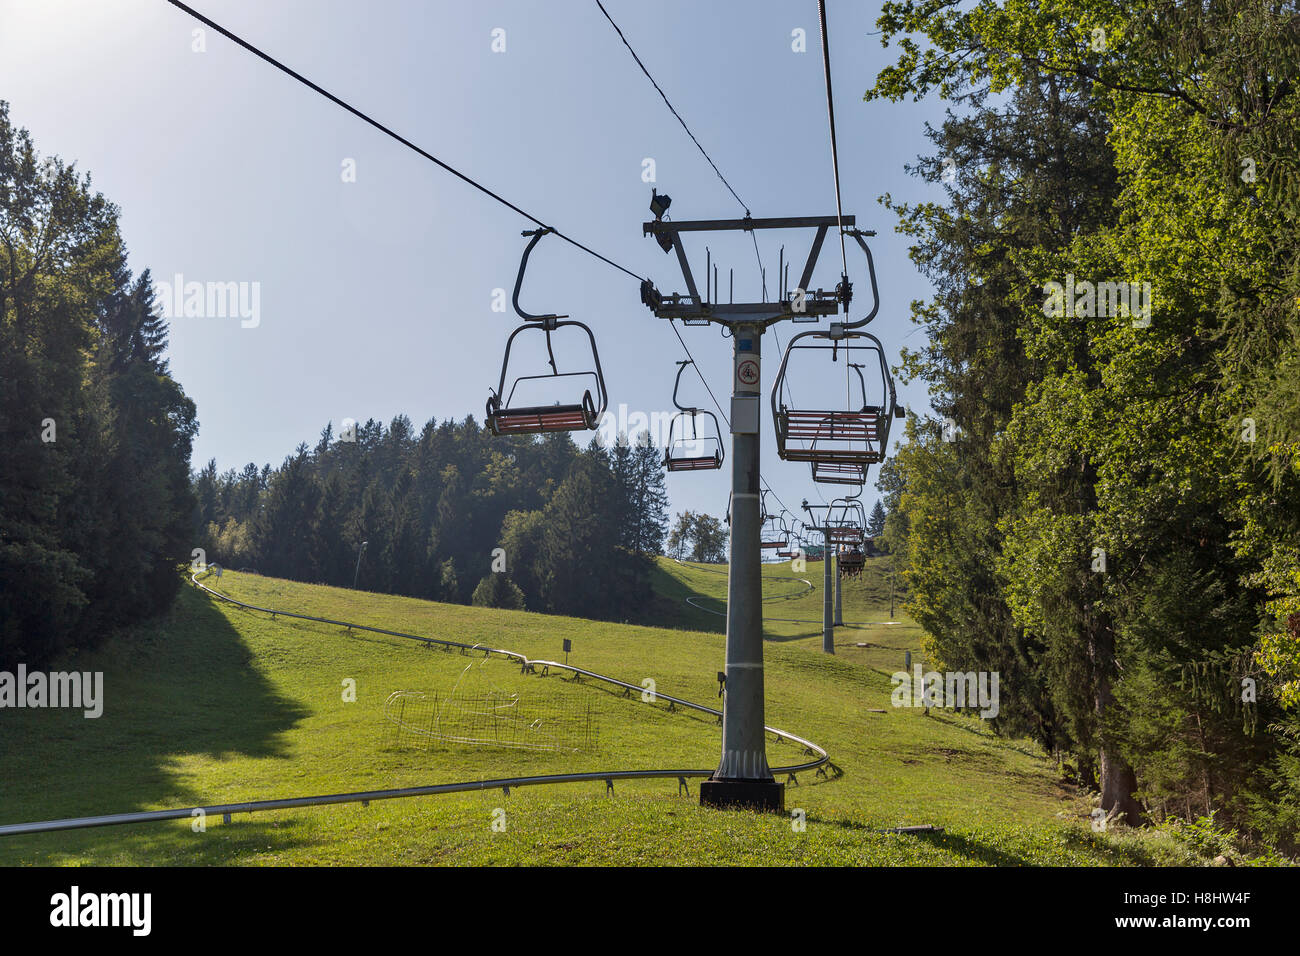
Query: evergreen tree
[[876, 521]]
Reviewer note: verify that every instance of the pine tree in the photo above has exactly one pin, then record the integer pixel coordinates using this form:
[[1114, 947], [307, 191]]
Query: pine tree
[[876, 521]]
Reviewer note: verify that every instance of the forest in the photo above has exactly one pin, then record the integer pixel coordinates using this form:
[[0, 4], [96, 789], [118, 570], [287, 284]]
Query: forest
[[95, 502], [449, 513], [1106, 506]]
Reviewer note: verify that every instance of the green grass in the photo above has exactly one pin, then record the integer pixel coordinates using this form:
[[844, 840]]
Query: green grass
[[214, 704]]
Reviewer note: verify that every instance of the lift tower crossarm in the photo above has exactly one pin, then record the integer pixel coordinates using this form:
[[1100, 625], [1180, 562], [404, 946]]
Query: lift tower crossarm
[[691, 305], [658, 226]]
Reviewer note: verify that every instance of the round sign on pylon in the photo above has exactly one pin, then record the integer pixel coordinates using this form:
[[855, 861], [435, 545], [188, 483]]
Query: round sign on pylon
[[747, 372]]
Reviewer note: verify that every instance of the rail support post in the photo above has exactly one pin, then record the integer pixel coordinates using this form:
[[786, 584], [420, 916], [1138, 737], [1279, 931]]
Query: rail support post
[[743, 778]]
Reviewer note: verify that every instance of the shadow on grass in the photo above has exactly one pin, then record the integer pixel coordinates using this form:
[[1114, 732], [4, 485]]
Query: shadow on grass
[[181, 685], [977, 849], [669, 608], [971, 727]]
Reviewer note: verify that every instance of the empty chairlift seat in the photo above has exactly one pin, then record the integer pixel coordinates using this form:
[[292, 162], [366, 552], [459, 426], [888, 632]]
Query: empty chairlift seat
[[582, 412], [774, 533], [688, 449], [840, 443], [846, 520]]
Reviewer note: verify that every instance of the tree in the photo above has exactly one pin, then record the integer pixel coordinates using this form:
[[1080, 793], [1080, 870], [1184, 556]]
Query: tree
[[710, 536], [648, 512], [679, 538], [1090, 512], [497, 590], [285, 529], [876, 521], [95, 499]]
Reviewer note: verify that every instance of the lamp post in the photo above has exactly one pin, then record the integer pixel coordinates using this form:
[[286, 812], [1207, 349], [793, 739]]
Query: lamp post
[[357, 572]]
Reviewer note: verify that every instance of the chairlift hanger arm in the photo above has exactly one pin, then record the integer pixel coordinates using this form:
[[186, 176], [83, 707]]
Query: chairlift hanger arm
[[871, 271], [681, 367], [519, 279]]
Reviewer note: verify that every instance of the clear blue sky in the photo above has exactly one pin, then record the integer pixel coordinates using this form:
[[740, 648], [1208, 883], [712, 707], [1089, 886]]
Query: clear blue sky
[[376, 295]]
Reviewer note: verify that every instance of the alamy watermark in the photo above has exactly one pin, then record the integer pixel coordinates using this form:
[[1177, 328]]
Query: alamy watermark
[[631, 423], [1101, 300], [953, 689], [211, 300], [55, 689]]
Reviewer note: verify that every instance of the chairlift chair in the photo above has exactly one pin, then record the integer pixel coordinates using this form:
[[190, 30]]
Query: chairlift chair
[[678, 453], [846, 521], [796, 543], [793, 548], [851, 562], [505, 418], [774, 532], [840, 443]]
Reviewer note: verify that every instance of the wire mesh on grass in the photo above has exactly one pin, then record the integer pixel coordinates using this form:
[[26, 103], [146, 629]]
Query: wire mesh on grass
[[490, 719]]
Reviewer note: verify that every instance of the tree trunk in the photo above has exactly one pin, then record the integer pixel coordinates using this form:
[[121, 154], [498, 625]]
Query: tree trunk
[[1117, 780], [1117, 785]]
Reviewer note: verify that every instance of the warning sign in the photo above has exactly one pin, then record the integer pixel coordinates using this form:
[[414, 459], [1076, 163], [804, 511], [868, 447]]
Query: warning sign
[[747, 373]]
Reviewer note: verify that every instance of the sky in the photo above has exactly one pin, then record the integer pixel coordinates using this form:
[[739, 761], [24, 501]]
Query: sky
[[371, 295]]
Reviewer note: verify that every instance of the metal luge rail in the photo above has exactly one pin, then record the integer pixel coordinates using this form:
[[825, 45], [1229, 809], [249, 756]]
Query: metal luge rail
[[819, 758]]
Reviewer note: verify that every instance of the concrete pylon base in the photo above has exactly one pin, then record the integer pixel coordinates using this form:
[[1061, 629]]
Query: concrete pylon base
[[762, 795]]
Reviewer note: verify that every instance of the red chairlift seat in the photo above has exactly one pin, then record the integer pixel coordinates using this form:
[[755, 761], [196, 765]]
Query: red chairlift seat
[[544, 418], [503, 418], [676, 456], [825, 428]]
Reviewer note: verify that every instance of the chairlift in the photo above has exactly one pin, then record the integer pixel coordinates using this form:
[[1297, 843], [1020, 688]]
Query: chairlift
[[795, 546], [851, 562], [846, 521], [840, 443], [774, 532], [679, 455], [505, 418]]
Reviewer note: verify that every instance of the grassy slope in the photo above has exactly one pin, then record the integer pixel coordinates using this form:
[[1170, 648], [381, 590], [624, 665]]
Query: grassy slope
[[215, 704]]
